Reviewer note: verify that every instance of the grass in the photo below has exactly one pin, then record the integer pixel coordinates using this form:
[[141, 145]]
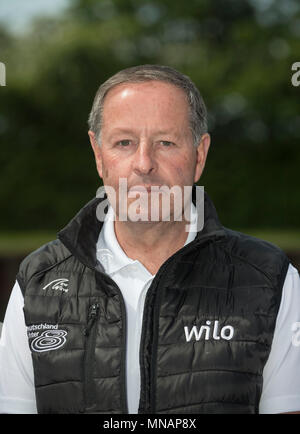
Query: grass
[[20, 243], [288, 240]]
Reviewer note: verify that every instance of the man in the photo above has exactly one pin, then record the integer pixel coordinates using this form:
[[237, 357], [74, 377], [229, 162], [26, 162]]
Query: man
[[136, 314]]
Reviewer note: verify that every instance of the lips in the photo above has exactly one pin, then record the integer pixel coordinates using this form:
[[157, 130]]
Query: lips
[[143, 188]]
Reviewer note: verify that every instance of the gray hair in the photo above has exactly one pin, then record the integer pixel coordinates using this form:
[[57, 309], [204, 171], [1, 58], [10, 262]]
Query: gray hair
[[142, 73]]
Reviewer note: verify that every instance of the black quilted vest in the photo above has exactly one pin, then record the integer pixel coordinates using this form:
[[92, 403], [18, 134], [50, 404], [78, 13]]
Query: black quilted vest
[[208, 323]]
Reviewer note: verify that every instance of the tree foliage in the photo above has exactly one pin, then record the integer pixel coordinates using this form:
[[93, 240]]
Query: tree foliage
[[239, 54]]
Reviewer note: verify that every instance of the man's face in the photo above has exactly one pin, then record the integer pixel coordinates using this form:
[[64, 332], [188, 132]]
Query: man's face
[[146, 138]]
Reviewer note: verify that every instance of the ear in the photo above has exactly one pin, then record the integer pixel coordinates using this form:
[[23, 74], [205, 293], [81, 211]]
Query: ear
[[97, 152], [202, 151]]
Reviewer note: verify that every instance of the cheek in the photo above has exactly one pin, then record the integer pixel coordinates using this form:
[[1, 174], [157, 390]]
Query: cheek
[[109, 167], [179, 172], [105, 172], [184, 169]]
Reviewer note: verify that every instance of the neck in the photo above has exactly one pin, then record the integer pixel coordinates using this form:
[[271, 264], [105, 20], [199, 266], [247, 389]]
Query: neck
[[151, 243]]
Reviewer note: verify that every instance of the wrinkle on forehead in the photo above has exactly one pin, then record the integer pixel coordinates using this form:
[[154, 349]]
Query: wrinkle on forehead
[[144, 103]]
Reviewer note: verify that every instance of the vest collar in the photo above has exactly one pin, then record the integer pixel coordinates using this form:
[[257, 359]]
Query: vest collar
[[80, 235], [211, 224]]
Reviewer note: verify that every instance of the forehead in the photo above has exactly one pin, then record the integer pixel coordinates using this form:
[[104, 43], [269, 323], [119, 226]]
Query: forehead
[[146, 97], [146, 87]]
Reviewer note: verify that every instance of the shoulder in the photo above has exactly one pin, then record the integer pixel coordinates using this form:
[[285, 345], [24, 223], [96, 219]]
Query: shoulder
[[265, 257], [281, 385], [41, 259]]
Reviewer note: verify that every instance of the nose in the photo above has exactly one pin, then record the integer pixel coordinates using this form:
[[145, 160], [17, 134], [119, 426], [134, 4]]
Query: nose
[[144, 159]]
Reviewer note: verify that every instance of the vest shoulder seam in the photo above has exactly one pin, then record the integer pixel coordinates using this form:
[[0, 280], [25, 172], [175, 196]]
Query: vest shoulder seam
[[24, 282], [243, 259], [43, 270]]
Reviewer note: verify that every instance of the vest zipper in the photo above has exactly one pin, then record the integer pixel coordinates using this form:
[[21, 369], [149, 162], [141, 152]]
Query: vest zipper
[[93, 313], [149, 400], [124, 343], [90, 334], [148, 374]]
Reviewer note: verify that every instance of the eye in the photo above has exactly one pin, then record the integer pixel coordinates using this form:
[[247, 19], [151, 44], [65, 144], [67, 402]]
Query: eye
[[124, 143], [166, 143]]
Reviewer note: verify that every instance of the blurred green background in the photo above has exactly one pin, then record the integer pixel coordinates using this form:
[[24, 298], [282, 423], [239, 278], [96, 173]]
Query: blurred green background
[[238, 53]]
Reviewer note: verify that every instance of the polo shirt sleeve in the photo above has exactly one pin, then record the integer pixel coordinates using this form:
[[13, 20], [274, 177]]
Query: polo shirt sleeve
[[281, 379], [17, 392]]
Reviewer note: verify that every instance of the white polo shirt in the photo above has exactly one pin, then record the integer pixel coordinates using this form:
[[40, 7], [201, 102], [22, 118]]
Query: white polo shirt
[[281, 386], [133, 280]]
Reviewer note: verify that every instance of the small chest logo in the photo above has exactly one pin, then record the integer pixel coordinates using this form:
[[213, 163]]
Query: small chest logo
[[209, 331], [58, 285], [49, 340], [46, 337]]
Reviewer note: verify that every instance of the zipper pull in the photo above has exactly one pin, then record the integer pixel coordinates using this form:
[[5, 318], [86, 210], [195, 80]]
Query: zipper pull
[[94, 309]]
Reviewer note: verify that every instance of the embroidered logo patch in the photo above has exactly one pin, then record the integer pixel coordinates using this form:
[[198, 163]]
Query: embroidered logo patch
[[48, 340], [58, 284]]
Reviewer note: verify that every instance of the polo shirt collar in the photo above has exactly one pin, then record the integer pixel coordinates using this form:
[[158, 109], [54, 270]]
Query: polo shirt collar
[[112, 256], [80, 235]]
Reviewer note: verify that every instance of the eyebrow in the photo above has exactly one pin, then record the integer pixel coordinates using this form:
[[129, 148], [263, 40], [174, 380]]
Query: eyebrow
[[129, 131], [116, 131]]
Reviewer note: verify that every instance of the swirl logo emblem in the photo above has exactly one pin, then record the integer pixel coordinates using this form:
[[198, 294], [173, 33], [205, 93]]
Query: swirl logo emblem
[[49, 340], [58, 284]]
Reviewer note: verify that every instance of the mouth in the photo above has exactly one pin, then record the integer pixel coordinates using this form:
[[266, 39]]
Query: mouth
[[144, 188]]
